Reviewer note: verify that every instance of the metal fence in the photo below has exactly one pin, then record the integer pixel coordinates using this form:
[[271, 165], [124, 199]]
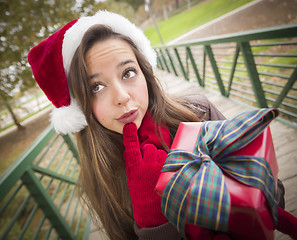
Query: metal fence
[[38, 197], [257, 67]]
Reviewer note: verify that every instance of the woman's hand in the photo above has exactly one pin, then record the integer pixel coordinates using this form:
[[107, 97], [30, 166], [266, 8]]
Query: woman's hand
[[143, 167]]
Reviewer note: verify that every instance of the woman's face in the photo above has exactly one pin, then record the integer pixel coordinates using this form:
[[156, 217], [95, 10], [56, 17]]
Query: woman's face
[[118, 86]]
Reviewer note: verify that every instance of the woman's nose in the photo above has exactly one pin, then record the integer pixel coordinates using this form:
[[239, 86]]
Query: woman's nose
[[121, 95]]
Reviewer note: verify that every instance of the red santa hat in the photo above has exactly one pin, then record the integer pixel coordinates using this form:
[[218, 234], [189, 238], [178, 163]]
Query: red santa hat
[[50, 62]]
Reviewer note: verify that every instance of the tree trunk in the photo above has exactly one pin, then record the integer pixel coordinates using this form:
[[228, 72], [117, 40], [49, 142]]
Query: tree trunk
[[13, 115], [176, 4]]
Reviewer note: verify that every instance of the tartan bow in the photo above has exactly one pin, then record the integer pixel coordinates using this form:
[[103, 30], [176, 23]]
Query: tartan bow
[[197, 193]]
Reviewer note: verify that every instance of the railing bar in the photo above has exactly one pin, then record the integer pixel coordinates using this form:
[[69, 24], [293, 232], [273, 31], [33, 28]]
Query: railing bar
[[274, 44], [204, 65], [86, 233], [78, 221], [242, 84], [287, 112], [159, 61], [53, 174], [189, 53], [28, 221], [17, 214], [286, 89], [180, 64], [226, 74], [224, 46], [233, 69], [286, 31], [49, 233], [62, 160], [274, 75], [171, 61], [244, 97], [164, 60], [69, 201], [44, 217], [39, 228], [215, 69], [289, 105], [274, 55], [68, 164], [242, 91], [291, 97], [10, 198], [222, 54], [276, 65], [271, 91], [253, 73], [55, 155], [74, 212], [47, 149], [63, 196], [277, 85], [224, 61]]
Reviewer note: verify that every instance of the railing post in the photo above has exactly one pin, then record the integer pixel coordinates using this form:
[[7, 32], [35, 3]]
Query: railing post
[[171, 61], [159, 62], [49, 209], [232, 70], [181, 64], [164, 60], [189, 53], [71, 146], [215, 69], [253, 73], [286, 89]]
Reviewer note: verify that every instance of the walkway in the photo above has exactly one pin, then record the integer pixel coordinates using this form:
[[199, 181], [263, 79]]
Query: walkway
[[284, 137], [254, 15]]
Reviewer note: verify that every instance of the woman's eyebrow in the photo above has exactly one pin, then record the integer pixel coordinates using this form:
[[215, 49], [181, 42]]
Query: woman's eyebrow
[[125, 62], [121, 64], [94, 76]]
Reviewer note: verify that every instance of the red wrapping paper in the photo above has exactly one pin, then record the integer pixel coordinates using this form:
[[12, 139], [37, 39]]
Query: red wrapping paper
[[250, 217]]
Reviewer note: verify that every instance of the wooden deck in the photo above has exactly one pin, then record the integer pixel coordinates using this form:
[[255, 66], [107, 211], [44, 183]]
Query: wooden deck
[[284, 137]]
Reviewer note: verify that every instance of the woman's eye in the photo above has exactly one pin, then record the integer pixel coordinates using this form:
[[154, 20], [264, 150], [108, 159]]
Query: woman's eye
[[129, 74], [96, 87]]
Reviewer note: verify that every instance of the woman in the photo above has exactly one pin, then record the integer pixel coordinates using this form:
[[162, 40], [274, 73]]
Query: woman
[[98, 72]]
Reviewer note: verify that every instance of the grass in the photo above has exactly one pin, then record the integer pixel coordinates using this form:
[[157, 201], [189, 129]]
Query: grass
[[192, 18]]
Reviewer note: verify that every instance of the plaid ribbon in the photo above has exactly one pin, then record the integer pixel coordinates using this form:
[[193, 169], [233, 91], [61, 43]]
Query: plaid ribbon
[[197, 193]]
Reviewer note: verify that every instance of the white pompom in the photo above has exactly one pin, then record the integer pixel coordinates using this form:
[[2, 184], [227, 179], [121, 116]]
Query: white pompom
[[68, 119]]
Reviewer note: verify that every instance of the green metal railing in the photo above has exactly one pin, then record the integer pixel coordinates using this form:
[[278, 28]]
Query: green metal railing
[[258, 67], [39, 193]]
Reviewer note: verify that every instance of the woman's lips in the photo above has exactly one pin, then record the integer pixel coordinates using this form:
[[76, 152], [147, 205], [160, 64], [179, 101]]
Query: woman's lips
[[128, 117]]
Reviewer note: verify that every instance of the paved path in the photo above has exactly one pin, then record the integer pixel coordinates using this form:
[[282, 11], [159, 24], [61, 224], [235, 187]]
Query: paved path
[[254, 15]]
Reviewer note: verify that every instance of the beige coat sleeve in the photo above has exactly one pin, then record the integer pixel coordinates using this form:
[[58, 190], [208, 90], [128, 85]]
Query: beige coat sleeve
[[203, 108]]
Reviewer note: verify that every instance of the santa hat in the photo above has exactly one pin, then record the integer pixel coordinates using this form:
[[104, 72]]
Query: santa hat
[[50, 62]]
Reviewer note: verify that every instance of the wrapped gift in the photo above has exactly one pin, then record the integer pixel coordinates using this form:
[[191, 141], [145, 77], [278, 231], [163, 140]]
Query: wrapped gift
[[242, 201]]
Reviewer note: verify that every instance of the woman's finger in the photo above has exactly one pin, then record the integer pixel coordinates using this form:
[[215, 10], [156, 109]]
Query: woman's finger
[[132, 153]]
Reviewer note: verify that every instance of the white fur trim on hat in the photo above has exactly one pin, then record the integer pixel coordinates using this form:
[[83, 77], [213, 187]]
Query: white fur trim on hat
[[68, 119], [117, 23]]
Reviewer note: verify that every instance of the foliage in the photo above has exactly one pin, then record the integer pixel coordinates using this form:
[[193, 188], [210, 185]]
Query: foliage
[[135, 4], [23, 24]]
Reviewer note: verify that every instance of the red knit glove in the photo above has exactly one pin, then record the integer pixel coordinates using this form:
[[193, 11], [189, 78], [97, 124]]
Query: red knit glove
[[287, 223], [143, 167]]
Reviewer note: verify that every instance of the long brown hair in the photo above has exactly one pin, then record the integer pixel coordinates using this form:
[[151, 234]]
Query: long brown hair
[[102, 177]]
